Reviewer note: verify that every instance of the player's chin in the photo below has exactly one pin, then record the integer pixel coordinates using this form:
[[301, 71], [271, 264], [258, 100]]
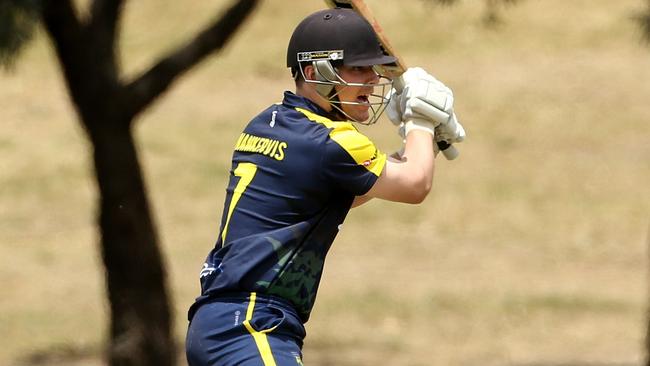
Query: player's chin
[[359, 111], [361, 114]]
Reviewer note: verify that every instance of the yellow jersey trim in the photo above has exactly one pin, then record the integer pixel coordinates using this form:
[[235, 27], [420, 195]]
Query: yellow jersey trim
[[260, 338], [245, 172], [360, 148]]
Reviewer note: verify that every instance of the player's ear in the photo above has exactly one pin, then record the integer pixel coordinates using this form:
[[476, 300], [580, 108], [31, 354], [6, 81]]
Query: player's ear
[[310, 72]]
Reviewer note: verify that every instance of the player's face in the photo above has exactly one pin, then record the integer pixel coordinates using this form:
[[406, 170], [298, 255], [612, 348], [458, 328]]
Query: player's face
[[357, 94]]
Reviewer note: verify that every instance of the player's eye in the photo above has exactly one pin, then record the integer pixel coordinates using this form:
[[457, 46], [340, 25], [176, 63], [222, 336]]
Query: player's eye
[[360, 69]]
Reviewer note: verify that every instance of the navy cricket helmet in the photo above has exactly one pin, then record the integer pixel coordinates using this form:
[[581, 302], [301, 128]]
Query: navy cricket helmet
[[338, 35]]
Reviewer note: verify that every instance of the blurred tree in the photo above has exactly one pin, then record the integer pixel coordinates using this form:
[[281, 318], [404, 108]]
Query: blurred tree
[[17, 22], [491, 16], [107, 105], [644, 21]]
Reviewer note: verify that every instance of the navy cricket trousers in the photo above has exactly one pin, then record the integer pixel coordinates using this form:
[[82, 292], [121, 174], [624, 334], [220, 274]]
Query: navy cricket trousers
[[245, 330]]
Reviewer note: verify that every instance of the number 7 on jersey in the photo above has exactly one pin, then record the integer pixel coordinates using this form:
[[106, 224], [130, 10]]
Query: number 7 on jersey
[[245, 172]]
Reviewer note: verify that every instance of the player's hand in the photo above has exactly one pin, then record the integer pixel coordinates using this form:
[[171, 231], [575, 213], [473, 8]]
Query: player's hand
[[424, 102], [441, 138], [406, 120], [425, 97], [393, 107], [451, 132], [422, 97], [417, 83]]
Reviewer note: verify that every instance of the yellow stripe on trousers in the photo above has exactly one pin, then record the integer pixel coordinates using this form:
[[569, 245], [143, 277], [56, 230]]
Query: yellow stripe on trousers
[[261, 340]]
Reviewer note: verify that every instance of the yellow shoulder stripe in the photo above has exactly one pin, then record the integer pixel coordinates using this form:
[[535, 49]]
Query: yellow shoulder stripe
[[360, 148]]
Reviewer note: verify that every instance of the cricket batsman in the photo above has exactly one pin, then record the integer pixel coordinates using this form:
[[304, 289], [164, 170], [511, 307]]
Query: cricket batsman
[[298, 167]]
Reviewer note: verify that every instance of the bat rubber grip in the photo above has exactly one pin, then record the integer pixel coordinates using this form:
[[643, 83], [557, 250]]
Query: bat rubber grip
[[448, 150]]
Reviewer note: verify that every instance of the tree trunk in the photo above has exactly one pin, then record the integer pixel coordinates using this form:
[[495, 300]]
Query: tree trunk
[[140, 331], [140, 327]]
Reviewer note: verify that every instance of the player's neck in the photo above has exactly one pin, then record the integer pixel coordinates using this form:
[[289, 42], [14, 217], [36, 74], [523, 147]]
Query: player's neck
[[308, 91]]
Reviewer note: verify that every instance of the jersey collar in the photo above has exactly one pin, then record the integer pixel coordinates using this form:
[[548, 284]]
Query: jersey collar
[[293, 101]]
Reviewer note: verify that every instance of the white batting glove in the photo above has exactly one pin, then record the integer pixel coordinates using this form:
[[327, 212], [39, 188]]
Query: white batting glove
[[427, 97], [406, 122], [393, 110], [417, 83], [413, 74], [451, 132], [423, 104]]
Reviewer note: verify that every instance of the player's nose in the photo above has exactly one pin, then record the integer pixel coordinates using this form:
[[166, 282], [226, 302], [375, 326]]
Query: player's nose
[[371, 77]]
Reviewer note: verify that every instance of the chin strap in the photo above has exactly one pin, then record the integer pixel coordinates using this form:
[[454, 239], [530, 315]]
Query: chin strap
[[336, 111]]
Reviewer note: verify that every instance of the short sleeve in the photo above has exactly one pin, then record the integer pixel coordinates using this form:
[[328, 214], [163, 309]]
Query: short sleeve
[[352, 162]]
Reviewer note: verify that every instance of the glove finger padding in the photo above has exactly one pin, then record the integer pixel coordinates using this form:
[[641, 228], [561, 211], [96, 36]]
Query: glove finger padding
[[424, 103], [451, 132], [434, 93], [459, 131], [393, 109], [430, 99], [418, 108]]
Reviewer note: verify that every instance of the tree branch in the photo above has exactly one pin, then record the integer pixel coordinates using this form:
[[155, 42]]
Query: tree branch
[[644, 22], [104, 18], [147, 87], [66, 32], [88, 65], [102, 29], [17, 23], [62, 25]]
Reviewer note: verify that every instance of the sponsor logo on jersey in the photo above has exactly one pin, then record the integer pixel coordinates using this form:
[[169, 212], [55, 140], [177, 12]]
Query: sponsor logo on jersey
[[272, 123], [207, 270], [369, 161]]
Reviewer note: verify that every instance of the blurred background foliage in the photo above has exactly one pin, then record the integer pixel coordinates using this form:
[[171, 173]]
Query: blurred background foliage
[[18, 20]]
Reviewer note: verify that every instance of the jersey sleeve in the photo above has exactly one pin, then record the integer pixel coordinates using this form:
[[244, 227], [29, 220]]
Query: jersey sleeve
[[351, 161]]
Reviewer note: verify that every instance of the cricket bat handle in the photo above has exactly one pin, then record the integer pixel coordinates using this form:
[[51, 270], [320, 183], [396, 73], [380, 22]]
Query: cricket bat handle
[[448, 150]]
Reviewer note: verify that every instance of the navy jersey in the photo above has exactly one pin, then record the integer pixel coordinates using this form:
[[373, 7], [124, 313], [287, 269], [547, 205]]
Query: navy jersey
[[294, 176]]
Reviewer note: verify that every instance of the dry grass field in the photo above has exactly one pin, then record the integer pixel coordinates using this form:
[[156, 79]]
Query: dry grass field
[[531, 250]]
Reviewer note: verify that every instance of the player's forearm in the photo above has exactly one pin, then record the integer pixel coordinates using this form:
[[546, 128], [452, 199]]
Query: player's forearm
[[419, 160]]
